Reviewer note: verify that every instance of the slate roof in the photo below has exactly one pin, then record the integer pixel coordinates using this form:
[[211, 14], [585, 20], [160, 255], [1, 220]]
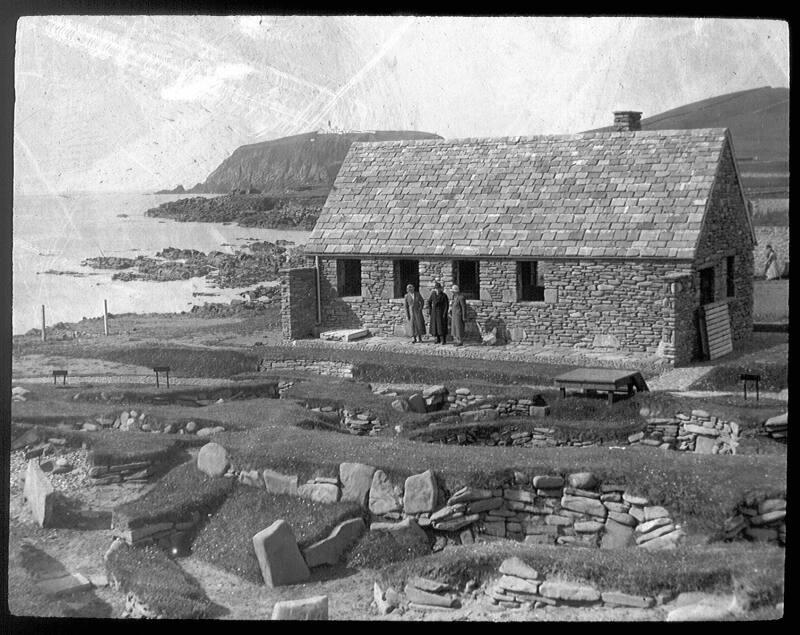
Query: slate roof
[[601, 194]]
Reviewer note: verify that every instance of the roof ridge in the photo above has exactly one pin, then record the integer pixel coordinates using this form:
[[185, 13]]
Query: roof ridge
[[688, 132]]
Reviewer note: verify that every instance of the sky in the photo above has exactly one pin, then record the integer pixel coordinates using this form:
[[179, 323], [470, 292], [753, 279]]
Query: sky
[[138, 103]]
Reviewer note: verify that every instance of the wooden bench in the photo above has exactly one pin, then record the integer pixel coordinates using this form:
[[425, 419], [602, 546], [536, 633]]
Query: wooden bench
[[62, 374], [609, 380]]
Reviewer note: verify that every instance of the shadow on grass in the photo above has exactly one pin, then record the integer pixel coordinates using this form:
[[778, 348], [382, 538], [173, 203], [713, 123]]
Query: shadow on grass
[[325, 573], [214, 610], [69, 513], [42, 566]]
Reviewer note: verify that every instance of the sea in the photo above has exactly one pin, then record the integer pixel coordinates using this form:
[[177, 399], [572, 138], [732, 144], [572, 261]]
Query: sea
[[55, 232]]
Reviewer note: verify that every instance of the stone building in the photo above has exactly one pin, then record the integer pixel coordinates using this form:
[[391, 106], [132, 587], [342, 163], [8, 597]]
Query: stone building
[[608, 240]]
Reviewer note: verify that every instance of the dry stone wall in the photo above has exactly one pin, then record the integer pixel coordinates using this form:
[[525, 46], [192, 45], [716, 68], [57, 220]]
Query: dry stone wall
[[298, 302], [588, 303], [726, 232]]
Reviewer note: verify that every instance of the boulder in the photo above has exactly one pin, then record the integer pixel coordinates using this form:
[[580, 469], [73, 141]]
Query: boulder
[[356, 479], [778, 421], [319, 492], [416, 403], [309, 609], [420, 493], [277, 483], [39, 493], [330, 550], [383, 499], [582, 480], [278, 555], [213, 459], [514, 566]]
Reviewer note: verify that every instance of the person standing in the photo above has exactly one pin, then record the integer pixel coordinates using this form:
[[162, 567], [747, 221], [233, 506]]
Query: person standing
[[438, 305], [458, 312], [771, 268], [414, 304]]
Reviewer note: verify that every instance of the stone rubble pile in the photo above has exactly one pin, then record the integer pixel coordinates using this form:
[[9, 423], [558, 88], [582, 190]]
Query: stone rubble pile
[[284, 386], [698, 432], [521, 586], [168, 534], [777, 427], [763, 521]]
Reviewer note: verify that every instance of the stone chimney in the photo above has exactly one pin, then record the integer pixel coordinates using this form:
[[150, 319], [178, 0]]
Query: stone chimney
[[627, 120]]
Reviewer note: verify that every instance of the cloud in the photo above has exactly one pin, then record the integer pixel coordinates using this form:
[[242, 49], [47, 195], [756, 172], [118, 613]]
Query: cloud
[[209, 84]]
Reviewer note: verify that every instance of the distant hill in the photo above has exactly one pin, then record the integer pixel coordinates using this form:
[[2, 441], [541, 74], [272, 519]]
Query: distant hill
[[759, 123], [302, 162]]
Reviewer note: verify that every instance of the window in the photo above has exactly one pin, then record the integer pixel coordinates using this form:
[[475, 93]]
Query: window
[[530, 284], [348, 277], [707, 285], [406, 272], [466, 276], [730, 269]]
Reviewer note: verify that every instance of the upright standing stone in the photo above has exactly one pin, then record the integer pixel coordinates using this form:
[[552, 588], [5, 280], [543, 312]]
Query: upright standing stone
[[382, 496], [39, 493], [420, 493], [356, 479], [278, 555]]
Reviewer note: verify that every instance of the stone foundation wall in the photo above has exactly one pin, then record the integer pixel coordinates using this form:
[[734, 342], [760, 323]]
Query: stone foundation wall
[[593, 304]]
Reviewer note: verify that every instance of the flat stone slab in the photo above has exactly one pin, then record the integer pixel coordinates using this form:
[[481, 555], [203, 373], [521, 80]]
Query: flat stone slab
[[330, 550], [418, 596], [513, 584], [313, 608], [625, 599], [345, 335], [278, 483], [39, 493], [72, 583], [279, 556], [515, 566], [569, 591]]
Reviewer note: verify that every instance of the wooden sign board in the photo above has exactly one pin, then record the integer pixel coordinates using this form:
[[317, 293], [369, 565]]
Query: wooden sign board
[[715, 330]]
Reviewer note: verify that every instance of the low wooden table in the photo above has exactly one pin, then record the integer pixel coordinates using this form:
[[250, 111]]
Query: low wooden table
[[609, 380]]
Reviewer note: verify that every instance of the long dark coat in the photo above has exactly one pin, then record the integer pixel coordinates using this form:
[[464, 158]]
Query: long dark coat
[[438, 304], [414, 304], [458, 313]]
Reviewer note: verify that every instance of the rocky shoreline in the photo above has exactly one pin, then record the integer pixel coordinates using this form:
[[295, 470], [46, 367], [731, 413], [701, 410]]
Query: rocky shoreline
[[258, 262], [247, 210]]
